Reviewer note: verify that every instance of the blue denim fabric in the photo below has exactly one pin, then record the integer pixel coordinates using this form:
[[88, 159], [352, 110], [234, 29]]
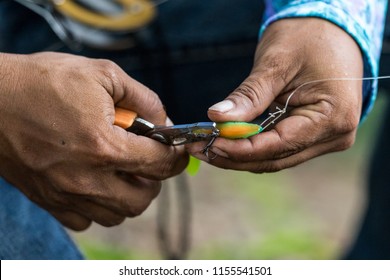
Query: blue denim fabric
[[28, 232], [193, 55]]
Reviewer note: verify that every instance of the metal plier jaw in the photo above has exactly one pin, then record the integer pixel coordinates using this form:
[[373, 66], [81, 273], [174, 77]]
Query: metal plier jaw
[[171, 135], [185, 133]]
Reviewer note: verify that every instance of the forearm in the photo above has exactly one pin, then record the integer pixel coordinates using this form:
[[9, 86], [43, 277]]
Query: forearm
[[5, 77], [8, 67], [362, 20]]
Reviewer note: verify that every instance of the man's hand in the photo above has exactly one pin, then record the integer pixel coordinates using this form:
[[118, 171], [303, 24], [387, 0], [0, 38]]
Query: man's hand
[[59, 146], [323, 117]]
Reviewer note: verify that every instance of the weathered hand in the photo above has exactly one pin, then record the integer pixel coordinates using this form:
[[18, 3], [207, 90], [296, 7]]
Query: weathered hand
[[59, 146], [323, 117]]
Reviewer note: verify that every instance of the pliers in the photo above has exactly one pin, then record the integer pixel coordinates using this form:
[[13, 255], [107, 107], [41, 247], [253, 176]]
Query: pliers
[[184, 133]]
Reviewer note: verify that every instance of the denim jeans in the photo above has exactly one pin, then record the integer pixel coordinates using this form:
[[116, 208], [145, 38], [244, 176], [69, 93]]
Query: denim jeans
[[193, 55], [29, 232]]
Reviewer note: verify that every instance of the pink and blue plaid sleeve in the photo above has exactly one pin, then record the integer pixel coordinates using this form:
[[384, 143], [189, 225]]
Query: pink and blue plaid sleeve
[[362, 19]]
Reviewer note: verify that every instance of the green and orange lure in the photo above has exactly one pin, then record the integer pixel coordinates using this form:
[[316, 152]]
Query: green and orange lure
[[228, 130], [232, 130], [238, 130]]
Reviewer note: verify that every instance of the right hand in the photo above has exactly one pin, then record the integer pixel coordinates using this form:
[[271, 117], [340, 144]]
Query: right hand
[[59, 146], [322, 118]]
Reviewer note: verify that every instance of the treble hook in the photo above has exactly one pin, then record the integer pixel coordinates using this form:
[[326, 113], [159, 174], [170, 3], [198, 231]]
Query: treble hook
[[206, 149]]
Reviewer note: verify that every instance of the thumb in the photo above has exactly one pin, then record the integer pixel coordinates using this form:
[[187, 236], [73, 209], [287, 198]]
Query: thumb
[[249, 100], [131, 94]]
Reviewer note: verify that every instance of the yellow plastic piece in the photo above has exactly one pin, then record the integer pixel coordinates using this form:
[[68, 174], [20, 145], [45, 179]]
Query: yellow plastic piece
[[238, 130], [136, 14], [193, 166]]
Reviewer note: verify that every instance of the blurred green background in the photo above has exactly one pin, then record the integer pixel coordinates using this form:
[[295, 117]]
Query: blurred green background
[[307, 212]]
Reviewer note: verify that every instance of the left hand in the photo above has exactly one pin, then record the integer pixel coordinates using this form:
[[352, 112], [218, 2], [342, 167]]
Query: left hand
[[323, 116]]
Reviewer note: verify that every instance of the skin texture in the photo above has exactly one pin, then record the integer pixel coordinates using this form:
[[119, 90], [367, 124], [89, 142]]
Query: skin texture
[[322, 118], [59, 146]]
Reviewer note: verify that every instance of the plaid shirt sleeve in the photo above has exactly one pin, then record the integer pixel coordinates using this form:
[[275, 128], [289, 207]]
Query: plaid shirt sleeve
[[362, 19]]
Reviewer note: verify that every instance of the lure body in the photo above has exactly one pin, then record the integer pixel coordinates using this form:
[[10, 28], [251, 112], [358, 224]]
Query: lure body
[[238, 130]]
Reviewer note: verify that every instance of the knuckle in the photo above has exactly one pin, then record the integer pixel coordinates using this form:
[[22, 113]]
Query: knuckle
[[350, 123], [80, 226], [69, 189], [110, 72], [81, 186], [278, 165], [136, 207], [291, 146], [168, 166], [56, 199], [268, 167], [136, 210], [324, 116], [74, 222], [252, 90], [287, 153], [341, 122], [154, 109], [274, 167], [108, 67], [346, 143], [154, 191], [112, 222], [275, 68], [103, 151]]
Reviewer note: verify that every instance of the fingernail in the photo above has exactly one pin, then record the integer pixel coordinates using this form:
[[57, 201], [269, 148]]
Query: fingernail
[[201, 157], [168, 122], [223, 106], [219, 152]]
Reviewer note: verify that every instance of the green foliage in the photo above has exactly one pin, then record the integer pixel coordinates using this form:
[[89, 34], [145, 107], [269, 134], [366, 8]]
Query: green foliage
[[97, 251], [285, 244]]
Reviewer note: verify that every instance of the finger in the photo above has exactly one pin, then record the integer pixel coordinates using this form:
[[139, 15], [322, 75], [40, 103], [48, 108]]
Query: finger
[[274, 165], [269, 77], [131, 94], [147, 157], [95, 212], [335, 145], [127, 195], [71, 219]]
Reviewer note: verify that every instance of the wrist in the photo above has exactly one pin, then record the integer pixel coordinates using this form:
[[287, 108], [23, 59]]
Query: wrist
[[11, 69]]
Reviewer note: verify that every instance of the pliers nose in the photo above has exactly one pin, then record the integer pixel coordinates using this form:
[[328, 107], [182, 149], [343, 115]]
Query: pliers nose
[[184, 133]]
